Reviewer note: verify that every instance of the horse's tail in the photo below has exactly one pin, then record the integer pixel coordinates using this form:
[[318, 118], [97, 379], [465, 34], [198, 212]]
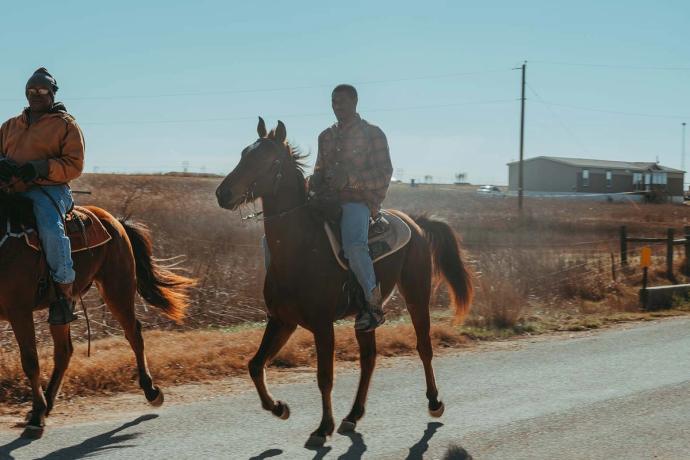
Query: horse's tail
[[447, 261], [158, 285]]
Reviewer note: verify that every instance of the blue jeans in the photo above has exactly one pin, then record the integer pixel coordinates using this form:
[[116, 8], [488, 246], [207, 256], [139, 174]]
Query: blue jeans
[[354, 231], [51, 229]]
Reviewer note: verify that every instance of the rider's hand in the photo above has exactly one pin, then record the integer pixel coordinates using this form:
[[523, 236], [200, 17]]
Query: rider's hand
[[27, 173], [315, 182], [32, 170], [7, 169]]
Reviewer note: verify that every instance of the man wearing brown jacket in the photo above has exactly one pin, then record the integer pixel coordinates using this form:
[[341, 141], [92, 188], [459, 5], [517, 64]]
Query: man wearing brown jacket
[[41, 151]]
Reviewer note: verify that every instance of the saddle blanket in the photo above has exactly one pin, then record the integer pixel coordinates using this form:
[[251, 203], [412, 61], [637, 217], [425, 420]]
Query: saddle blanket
[[381, 245], [83, 228]]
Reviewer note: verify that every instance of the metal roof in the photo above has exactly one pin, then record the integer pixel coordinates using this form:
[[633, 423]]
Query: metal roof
[[606, 164]]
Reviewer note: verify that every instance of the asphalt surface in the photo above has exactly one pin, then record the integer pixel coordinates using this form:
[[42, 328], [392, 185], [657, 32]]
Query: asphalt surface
[[617, 394]]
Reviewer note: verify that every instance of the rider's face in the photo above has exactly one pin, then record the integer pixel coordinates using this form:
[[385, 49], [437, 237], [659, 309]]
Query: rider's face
[[40, 97], [344, 106]]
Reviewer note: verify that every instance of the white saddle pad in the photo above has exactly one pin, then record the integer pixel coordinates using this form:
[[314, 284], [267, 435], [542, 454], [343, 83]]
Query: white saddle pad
[[397, 236]]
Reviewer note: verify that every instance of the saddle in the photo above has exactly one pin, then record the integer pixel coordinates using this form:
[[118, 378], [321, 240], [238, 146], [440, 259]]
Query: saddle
[[388, 233], [82, 227]]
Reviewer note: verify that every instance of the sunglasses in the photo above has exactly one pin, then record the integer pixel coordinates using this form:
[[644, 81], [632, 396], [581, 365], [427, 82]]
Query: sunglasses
[[35, 91]]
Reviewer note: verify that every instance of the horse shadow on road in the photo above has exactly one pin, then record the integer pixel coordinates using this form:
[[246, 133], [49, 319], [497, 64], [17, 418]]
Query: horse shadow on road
[[8, 448], [417, 451], [358, 447], [96, 444], [267, 454]]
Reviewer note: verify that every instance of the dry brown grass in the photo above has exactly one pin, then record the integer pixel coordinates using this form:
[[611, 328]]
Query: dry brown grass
[[197, 356]]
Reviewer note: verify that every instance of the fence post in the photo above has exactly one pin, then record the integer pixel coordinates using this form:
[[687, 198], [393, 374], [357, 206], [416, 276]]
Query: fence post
[[624, 245], [669, 254], [613, 267], [686, 265]]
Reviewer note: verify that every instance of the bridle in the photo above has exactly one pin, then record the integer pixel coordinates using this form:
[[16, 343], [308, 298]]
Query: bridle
[[249, 195]]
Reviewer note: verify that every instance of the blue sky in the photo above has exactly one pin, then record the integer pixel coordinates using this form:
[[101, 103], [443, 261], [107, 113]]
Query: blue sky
[[156, 85]]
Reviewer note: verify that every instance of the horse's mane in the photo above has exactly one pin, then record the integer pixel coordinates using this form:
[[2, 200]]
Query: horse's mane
[[297, 160]]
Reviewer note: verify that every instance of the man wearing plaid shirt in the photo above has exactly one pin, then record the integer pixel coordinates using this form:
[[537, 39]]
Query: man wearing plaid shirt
[[354, 163]]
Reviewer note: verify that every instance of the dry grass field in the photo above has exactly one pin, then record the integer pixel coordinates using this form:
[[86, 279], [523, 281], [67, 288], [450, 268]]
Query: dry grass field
[[556, 268]]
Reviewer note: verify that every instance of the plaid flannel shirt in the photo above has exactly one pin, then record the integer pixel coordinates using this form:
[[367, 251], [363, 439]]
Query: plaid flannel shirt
[[362, 150]]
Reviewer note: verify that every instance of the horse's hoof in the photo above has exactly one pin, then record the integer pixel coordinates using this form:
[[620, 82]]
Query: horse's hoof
[[158, 400], [284, 411], [32, 432], [315, 441], [438, 411], [346, 426]]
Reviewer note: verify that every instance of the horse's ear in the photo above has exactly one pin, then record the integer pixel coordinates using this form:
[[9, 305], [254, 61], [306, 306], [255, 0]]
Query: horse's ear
[[281, 132], [261, 128]]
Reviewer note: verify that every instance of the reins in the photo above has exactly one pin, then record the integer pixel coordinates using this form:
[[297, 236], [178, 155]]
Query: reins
[[9, 185], [257, 215]]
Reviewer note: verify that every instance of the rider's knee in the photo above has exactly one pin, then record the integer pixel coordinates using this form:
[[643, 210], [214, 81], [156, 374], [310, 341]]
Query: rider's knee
[[354, 249]]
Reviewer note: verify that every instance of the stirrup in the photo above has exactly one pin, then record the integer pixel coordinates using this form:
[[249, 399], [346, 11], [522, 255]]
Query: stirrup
[[369, 319]]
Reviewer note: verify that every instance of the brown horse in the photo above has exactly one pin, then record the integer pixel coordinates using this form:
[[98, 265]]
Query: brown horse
[[119, 268], [303, 282]]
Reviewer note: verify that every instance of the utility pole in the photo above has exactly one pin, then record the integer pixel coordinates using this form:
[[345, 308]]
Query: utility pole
[[682, 154], [522, 140]]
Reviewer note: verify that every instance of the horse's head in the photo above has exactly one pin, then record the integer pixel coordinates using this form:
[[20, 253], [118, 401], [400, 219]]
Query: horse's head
[[260, 170]]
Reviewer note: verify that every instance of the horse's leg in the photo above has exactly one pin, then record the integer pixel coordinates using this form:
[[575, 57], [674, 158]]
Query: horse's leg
[[62, 342], [367, 362], [22, 322], [275, 336], [325, 348], [415, 286], [118, 292]]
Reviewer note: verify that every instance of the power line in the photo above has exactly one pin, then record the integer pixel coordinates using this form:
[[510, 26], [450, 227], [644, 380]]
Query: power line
[[615, 112], [567, 130], [616, 66], [298, 115], [268, 90]]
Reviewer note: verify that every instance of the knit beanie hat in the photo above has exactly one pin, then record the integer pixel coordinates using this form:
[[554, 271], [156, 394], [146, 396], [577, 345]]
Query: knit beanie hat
[[43, 76]]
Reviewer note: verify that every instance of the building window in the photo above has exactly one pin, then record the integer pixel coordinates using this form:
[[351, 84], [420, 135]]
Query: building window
[[609, 179], [638, 181], [585, 177], [659, 178]]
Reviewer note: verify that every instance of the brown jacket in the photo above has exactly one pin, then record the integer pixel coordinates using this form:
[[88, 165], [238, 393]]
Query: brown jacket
[[55, 137]]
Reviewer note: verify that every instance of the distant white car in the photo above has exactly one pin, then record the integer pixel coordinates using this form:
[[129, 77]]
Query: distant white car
[[490, 190]]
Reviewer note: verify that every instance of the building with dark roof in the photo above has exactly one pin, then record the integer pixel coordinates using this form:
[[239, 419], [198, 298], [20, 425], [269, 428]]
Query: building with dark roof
[[555, 175]]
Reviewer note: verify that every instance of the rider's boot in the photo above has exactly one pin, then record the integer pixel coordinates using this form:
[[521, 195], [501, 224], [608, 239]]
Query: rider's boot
[[61, 310], [371, 316]]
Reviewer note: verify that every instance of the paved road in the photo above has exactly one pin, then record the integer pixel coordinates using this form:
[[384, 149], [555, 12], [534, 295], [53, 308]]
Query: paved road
[[621, 393]]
